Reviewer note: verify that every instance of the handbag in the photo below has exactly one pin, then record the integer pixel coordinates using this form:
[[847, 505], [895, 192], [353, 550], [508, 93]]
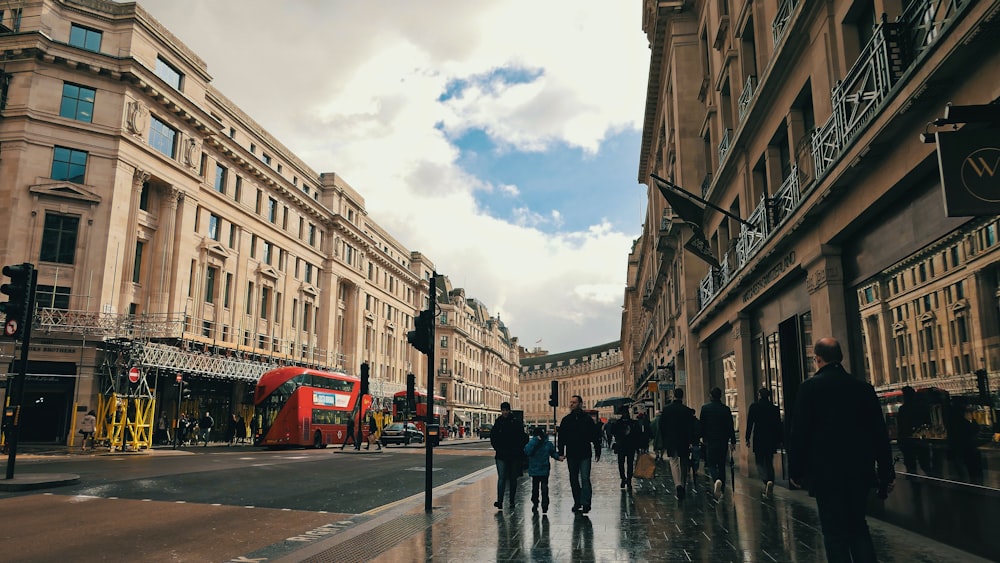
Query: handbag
[[645, 467]]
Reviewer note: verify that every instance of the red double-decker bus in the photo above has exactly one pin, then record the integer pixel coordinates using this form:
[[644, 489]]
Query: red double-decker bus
[[297, 406], [419, 416]]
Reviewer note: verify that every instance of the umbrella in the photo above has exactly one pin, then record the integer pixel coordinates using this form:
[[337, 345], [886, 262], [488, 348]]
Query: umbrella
[[613, 402]]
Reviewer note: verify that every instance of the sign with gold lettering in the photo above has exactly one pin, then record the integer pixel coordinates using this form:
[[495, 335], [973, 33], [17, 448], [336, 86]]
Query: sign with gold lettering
[[969, 161]]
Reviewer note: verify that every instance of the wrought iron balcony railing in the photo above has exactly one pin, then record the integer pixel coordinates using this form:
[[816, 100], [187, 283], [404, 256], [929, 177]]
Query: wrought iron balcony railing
[[727, 138], [749, 89], [785, 10]]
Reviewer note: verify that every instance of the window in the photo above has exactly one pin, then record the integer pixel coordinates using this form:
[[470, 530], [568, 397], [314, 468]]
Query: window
[[51, 297], [85, 38], [265, 158], [77, 102], [59, 238], [211, 274], [249, 309], [253, 246], [213, 226], [144, 197], [267, 253], [220, 178], [137, 264], [253, 148], [309, 272], [162, 137], [272, 210], [227, 291], [238, 192], [232, 235], [232, 132], [69, 164], [312, 234], [168, 73], [265, 297]]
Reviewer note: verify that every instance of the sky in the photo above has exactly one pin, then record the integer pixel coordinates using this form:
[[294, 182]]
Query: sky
[[499, 138]]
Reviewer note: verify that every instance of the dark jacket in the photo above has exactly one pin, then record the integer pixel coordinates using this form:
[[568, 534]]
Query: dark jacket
[[678, 428], [508, 438], [577, 432], [838, 434], [764, 426], [539, 450], [717, 423], [628, 435]]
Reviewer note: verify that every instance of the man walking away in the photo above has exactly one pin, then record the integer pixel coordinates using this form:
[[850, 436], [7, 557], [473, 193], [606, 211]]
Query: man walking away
[[627, 434], [350, 433], [678, 430], [838, 439], [508, 439], [764, 424], [577, 434], [717, 432]]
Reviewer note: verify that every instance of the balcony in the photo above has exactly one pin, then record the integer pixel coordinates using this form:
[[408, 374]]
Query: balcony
[[724, 144], [706, 184], [747, 96], [780, 23]]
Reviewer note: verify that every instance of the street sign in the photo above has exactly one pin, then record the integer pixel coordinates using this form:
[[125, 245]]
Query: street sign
[[10, 329], [133, 375]]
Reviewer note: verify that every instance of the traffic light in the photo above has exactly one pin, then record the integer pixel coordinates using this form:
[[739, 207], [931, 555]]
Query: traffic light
[[554, 394], [423, 332], [364, 378], [411, 389], [185, 390], [20, 292]]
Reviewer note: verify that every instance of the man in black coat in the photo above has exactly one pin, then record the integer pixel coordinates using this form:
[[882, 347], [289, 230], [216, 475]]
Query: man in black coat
[[838, 439], [719, 437], [764, 425], [628, 439], [576, 435], [508, 439], [678, 430]]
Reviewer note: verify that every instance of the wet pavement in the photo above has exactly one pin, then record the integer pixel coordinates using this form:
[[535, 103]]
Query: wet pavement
[[645, 524]]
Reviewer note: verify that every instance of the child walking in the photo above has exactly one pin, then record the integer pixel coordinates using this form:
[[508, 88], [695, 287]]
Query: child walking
[[539, 450]]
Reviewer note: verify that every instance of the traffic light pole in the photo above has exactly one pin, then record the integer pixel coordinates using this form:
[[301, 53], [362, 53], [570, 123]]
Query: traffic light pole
[[15, 390], [428, 443]]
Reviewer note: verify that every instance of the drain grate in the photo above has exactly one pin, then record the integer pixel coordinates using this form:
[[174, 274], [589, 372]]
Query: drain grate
[[378, 540]]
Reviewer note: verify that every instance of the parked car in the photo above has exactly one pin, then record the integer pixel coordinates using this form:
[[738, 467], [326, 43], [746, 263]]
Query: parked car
[[401, 433], [484, 431]]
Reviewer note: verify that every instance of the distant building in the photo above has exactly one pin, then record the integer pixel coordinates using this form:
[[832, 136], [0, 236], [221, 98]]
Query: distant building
[[595, 373]]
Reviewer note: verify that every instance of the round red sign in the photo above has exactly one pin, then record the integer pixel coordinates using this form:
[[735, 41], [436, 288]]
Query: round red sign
[[133, 375]]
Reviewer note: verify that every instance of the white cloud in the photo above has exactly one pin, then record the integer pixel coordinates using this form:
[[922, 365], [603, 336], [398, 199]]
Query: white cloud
[[354, 88]]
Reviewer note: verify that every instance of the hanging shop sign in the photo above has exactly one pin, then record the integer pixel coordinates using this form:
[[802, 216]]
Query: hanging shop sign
[[969, 162]]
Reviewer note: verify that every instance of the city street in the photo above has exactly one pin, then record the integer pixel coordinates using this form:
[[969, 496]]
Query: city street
[[209, 503]]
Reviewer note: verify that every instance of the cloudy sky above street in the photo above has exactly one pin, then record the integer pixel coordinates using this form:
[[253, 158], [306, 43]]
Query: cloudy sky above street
[[500, 138]]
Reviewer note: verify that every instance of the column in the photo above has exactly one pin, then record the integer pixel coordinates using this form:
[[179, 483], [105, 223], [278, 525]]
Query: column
[[743, 348], [139, 178], [166, 237], [825, 284]]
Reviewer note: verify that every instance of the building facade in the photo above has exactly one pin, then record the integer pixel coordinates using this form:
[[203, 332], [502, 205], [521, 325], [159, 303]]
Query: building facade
[[172, 233], [595, 373], [800, 124], [477, 358]]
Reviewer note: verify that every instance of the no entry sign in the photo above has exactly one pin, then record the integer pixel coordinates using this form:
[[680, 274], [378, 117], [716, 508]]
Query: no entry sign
[[133, 375]]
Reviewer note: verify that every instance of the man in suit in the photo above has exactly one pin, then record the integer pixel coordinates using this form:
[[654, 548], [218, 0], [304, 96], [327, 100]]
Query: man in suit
[[678, 428], [717, 433], [838, 439], [764, 425]]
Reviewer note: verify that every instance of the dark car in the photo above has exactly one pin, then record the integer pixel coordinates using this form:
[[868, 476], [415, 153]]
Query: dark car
[[398, 433], [484, 431]]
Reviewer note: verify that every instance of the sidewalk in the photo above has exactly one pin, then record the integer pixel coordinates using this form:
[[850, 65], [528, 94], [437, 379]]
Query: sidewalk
[[647, 524]]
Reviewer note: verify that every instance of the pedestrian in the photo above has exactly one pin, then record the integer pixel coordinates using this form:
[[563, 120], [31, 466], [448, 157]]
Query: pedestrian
[[180, 435], [717, 433], [678, 430], [627, 434], [913, 418], [657, 439], [764, 424], [576, 435], [350, 433], [838, 439], [508, 439], [373, 433], [539, 450], [644, 438], [241, 429], [231, 429], [963, 441], [206, 424], [87, 427], [161, 436]]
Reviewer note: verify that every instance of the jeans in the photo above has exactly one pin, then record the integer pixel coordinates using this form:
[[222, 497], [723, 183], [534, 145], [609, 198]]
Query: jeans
[[765, 466], [540, 483], [579, 479], [845, 531], [508, 470]]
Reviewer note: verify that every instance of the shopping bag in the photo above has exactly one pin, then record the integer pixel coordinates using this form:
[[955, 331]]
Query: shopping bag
[[645, 466]]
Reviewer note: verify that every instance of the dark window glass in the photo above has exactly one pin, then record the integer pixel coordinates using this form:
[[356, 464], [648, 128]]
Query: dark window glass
[[85, 38], [69, 164], [77, 103], [137, 265], [51, 297], [59, 238]]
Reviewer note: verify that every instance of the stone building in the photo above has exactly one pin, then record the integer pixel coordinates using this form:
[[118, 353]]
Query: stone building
[[595, 373], [171, 232], [803, 127], [476, 356]]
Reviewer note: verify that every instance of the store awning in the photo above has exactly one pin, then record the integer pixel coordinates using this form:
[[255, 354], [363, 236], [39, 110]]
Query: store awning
[[613, 402]]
